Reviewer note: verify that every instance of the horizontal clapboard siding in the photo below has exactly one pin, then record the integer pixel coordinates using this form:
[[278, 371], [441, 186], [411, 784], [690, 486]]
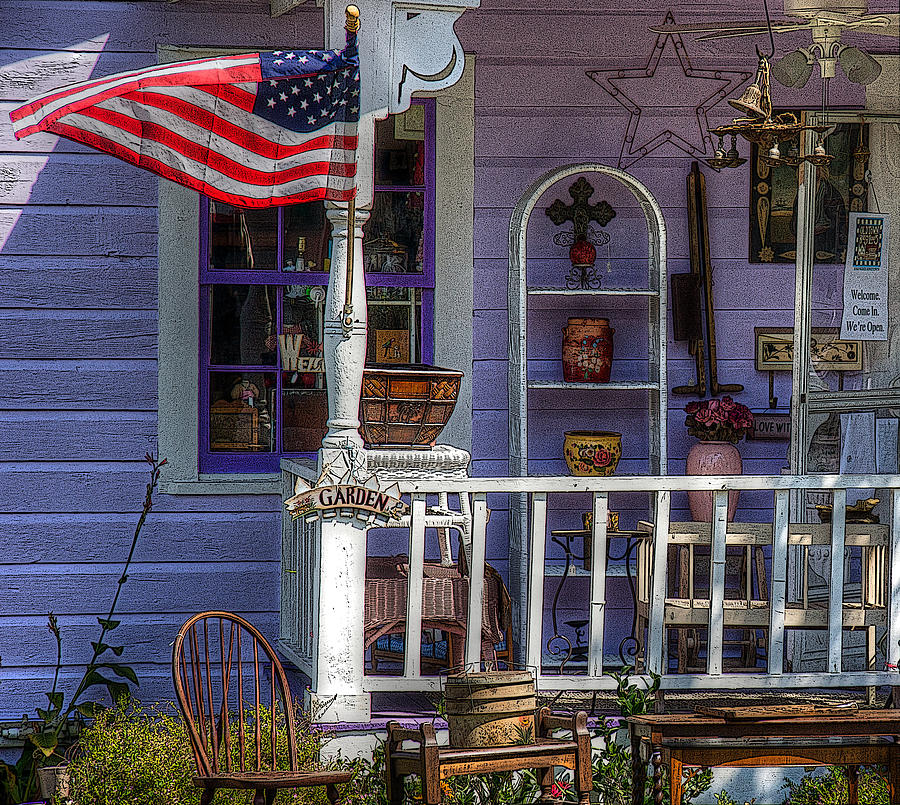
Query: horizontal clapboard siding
[[78, 369]]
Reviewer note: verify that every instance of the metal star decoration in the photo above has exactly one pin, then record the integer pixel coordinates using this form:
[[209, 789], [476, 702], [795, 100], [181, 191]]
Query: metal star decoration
[[729, 80]]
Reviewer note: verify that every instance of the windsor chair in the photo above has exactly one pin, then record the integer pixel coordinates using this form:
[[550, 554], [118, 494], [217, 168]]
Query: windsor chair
[[234, 696]]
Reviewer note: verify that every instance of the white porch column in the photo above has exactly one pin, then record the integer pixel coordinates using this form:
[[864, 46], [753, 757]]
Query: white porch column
[[402, 48], [337, 691]]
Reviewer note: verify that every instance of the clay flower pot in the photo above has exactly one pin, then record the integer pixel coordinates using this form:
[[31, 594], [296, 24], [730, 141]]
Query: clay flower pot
[[592, 452], [712, 458], [587, 350], [406, 405]]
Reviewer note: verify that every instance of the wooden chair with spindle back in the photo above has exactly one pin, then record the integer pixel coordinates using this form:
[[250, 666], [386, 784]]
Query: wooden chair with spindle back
[[224, 672]]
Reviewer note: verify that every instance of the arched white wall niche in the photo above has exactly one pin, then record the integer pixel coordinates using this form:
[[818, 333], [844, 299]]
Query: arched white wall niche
[[519, 383]]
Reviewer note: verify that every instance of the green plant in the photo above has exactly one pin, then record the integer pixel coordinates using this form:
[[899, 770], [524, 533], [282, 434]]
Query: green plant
[[724, 798], [130, 755], [830, 788], [612, 765], [18, 782]]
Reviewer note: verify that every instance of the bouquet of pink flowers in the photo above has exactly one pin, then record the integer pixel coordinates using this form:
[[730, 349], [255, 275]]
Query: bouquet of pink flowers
[[718, 420]]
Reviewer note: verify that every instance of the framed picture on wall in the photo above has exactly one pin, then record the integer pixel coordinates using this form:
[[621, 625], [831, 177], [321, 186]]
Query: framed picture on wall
[[841, 188], [775, 350]]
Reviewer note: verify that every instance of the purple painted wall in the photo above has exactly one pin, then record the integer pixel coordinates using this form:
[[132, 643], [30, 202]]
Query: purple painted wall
[[78, 286]]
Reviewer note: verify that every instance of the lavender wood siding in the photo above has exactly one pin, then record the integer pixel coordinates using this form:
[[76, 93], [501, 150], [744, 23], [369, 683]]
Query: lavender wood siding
[[78, 286], [78, 335], [536, 109]]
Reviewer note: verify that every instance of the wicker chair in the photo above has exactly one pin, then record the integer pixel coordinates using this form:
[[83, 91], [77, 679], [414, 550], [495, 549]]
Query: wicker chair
[[224, 672], [445, 593]]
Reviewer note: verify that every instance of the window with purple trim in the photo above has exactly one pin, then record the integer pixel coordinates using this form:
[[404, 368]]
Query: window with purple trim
[[263, 276]]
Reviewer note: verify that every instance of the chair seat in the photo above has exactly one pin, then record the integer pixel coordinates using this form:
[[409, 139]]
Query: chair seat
[[273, 779]]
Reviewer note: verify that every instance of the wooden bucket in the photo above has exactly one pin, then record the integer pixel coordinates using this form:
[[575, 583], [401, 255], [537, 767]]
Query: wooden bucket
[[492, 708]]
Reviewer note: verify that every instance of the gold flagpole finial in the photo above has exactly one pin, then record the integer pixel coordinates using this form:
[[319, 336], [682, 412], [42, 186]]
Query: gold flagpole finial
[[352, 24]]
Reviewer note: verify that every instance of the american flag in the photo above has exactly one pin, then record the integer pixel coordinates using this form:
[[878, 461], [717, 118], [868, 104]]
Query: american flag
[[253, 130]]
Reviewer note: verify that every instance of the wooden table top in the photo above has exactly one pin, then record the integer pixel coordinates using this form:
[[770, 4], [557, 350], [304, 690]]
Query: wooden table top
[[854, 722]]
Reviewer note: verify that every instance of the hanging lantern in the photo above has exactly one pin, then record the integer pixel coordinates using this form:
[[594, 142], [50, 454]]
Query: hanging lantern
[[764, 128]]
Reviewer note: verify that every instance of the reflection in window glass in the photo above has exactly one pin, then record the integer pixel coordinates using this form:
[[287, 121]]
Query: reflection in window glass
[[242, 411], [242, 239], [394, 321], [400, 149], [242, 325], [307, 236], [393, 241]]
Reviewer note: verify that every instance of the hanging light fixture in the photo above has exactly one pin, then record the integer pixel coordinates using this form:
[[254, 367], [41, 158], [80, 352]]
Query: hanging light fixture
[[794, 70], [859, 66], [760, 126]]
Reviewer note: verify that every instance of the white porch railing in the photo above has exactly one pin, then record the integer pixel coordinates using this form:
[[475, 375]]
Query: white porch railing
[[871, 602]]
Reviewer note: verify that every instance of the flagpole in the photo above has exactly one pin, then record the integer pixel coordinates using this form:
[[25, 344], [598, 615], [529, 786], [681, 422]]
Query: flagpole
[[352, 26], [347, 320]]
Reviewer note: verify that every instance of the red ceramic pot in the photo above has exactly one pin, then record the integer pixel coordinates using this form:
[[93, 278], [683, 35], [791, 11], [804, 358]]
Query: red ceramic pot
[[712, 458], [587, 350]]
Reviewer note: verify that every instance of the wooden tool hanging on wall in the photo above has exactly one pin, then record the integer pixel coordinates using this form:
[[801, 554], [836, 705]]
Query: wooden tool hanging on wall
[[685, 292]]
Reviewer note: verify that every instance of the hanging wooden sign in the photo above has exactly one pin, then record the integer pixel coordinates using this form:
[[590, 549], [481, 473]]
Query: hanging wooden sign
[[362, 500]]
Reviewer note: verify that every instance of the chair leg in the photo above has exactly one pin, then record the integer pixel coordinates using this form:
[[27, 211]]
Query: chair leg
[[259, 798], [545, 780], [271, 793], [207, 796], [331, 792], [676, 782]]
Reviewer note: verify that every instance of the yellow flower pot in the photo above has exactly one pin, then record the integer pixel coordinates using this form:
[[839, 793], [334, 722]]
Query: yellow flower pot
[[592, 452]]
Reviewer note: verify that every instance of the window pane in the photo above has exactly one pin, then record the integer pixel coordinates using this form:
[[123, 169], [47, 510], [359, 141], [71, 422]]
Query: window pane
[[242, 325], [241, 239], [302, 329], [307, 234], [241, 411], [400, 149], [305, 411], [394, 325], [393, 242]]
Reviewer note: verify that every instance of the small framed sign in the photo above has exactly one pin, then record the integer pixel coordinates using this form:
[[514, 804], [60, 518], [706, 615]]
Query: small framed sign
[[771, 426], [775, 350], [392, 346]]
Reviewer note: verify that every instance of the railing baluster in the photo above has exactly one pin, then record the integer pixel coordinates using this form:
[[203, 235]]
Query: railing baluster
[[779, 582], [412, 644], [598, 583], [836, 588], [534, 645], [717, 584], [892, 651], [476, 580], [656, 627]]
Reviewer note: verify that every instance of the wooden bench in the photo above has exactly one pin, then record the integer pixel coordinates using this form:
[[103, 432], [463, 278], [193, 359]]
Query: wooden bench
[[434, 763]]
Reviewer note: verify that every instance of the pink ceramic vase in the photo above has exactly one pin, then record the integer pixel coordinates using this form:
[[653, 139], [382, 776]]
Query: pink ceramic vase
[[712, 458]]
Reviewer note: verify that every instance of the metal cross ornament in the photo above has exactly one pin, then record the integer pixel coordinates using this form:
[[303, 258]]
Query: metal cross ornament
[[581, 213]]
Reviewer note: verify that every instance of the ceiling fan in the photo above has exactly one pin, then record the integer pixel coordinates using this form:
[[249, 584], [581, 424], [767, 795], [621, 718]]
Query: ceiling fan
[[826, 20]]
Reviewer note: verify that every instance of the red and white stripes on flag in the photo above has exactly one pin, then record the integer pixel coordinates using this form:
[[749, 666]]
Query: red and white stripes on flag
[[253, 130]]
